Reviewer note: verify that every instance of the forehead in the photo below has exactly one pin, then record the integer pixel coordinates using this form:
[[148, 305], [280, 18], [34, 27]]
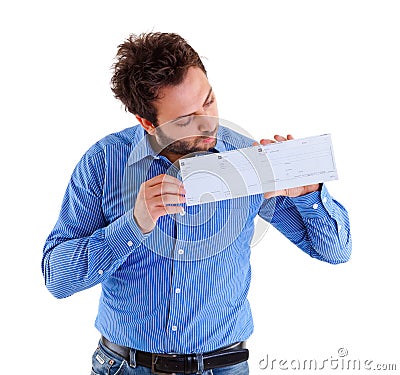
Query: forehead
[[185, 98]]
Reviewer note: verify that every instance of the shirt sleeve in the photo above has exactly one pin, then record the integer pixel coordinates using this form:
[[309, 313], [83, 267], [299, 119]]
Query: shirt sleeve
[[315, 222], [83, 248]]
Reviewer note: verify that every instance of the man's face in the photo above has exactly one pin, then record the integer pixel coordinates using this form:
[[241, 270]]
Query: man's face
[[187, 114]]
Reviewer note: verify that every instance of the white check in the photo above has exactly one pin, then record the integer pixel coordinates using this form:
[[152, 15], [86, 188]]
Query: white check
[[258, 169]]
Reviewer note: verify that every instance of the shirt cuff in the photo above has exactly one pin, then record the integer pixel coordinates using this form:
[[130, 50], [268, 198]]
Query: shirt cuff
[[124, 235], [317, 204]]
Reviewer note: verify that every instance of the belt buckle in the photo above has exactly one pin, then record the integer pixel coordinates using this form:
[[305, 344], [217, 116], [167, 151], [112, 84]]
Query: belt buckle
[[154, 357]]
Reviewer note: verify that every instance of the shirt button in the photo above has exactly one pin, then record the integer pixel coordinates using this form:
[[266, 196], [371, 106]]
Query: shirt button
[[100, 272], [177, 290], [324, 199], [180, 251], [130, 243], [315, 206], [182, 213], [174, 328]]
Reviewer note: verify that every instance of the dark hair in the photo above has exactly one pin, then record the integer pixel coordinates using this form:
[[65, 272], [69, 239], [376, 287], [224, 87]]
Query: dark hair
[[146, 63]]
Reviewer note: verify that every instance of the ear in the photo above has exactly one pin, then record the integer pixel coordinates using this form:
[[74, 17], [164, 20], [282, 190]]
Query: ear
[[146, 124]]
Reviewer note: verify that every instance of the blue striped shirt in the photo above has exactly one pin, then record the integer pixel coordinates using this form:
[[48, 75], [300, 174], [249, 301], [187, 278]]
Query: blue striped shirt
[[182, 287]]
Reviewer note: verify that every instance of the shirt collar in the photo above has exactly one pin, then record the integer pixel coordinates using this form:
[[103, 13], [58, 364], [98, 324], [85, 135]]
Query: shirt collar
[[220, 145], [142, 147]]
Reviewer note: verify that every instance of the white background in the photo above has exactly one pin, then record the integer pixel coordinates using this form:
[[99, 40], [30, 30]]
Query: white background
[[277, 67]]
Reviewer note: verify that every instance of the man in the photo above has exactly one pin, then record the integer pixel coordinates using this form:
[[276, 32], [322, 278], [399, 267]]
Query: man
[[174, 277]]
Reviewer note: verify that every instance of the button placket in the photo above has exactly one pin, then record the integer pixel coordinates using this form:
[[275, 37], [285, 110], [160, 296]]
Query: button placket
[[175, 298]]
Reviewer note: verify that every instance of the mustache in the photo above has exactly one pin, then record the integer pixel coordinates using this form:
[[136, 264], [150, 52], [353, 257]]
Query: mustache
[[208, 134]]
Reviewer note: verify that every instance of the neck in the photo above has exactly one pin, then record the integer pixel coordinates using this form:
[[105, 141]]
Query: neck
[[171, 156]]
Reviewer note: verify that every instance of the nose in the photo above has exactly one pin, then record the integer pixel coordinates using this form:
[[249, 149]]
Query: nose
[[205, 123]]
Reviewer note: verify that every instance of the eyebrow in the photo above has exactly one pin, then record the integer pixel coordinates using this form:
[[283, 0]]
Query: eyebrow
[[205, 101]]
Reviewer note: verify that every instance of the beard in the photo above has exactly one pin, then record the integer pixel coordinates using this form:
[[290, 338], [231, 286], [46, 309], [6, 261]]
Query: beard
[[187, 145]]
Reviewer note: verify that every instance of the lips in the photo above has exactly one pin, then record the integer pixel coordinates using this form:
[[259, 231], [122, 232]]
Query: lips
[[208, 140]]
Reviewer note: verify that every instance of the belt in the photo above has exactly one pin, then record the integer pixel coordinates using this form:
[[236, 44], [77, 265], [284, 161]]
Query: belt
[[182, 363]]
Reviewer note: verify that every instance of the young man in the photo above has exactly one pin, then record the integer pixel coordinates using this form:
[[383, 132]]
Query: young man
[[174, 278]]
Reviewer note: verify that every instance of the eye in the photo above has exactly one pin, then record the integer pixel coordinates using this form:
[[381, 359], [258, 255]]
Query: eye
[[185, 123], [209, 103]]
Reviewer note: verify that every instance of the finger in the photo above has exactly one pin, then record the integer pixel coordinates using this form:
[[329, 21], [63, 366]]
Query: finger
[[279, 138], [161, 178], [171, 188], [255, 144], [290, 137], [163, 189], [164, 179], [271, 194], [168, 210], [266, 141], [167, 199]]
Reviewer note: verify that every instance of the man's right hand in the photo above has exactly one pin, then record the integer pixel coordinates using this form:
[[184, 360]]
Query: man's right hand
[[157, 197]]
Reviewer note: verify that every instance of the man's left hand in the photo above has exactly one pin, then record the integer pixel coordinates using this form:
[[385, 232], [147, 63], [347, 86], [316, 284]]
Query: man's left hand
[[293, 192]]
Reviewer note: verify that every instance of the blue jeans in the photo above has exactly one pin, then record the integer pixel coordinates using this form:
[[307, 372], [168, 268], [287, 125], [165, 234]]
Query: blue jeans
[[105, 362]]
